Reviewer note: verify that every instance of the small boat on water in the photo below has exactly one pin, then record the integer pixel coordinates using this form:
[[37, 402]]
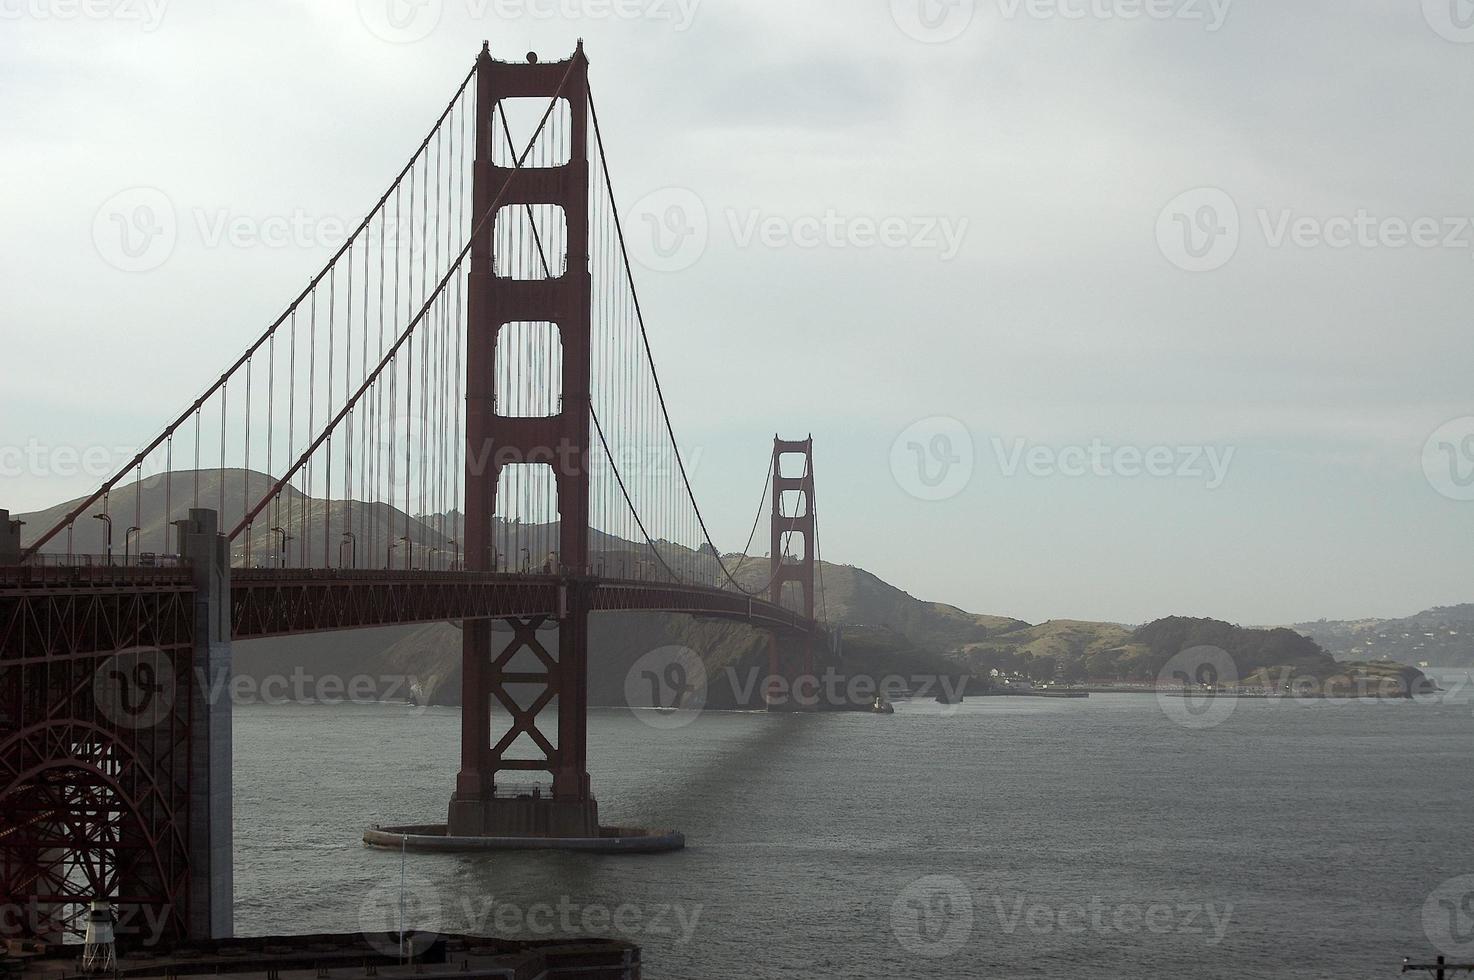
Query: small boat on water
[[882, 706]]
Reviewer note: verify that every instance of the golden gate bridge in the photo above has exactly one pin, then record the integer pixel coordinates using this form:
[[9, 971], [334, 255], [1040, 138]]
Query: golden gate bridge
[[458, 419]]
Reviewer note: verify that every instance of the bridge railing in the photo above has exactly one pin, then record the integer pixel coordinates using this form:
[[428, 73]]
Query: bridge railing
[[61, 575], [143, 560]]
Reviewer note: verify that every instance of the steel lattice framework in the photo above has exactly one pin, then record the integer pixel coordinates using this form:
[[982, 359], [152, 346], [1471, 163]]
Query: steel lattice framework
[[94, 746]]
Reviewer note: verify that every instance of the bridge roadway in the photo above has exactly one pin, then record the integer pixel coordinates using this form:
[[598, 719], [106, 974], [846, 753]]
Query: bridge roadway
[[65, 612]]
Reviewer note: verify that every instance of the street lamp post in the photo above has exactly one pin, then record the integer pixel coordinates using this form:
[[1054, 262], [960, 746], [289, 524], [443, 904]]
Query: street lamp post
[[350, 540], [282, 551], [109, 522], [135, 529]]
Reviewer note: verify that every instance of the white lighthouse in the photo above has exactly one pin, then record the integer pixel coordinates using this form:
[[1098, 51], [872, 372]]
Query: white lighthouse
[[99, 955]]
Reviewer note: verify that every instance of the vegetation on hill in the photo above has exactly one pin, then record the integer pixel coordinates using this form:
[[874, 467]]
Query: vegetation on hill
[[1251, 649], [1440, 637], [1066, 650], [1073, 651]]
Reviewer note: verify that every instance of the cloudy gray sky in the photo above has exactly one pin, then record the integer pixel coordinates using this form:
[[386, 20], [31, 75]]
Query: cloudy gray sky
[[1096, 309]]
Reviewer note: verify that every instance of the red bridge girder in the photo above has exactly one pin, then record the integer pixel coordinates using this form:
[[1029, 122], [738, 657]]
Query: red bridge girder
[[279, 602], [51, 614]]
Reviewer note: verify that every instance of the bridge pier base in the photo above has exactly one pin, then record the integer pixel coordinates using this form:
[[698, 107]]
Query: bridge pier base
[[524, 815]]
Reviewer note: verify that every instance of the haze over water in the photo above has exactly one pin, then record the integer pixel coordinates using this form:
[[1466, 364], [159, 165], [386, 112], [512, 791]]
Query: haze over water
[[1089, 838]]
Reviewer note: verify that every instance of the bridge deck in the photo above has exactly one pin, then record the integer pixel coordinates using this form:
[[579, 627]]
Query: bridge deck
[[48, 612]]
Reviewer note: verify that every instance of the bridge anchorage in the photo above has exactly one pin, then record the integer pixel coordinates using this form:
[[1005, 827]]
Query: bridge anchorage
[[459, 419]]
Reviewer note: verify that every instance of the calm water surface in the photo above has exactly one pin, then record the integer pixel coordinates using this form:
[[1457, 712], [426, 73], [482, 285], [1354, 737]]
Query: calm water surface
[[1009, 837]]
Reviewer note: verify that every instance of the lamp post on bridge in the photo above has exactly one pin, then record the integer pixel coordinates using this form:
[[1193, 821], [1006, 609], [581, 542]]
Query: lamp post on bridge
[[135, 529], [282, 552], [350, 541], [109, 522]]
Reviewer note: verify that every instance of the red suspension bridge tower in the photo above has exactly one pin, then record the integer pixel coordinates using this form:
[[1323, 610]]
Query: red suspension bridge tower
[[497, 301], [792, 517]]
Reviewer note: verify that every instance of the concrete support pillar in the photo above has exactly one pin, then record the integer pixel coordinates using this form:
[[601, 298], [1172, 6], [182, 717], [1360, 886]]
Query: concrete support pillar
[[212, 900], [9, 539]]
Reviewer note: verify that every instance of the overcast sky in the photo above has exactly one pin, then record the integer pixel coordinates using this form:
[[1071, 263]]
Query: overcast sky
[[1104, 309]]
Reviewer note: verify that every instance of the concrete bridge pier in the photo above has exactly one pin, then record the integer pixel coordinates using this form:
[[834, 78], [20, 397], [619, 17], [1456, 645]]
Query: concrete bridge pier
[[212, 898]]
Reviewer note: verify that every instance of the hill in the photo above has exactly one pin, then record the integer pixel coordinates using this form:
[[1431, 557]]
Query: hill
[[1075, 651], [884, 630], [1439, 637]]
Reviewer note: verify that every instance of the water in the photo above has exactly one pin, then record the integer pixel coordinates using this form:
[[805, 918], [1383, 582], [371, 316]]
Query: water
[[1293, 840]]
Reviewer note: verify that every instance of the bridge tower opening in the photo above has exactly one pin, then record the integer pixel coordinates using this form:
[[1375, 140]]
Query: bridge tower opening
[[496, 672]]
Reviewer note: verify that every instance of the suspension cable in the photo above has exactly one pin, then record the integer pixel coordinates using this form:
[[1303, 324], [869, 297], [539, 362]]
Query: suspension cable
[[138, 460], [388, 357], [650, 357]]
